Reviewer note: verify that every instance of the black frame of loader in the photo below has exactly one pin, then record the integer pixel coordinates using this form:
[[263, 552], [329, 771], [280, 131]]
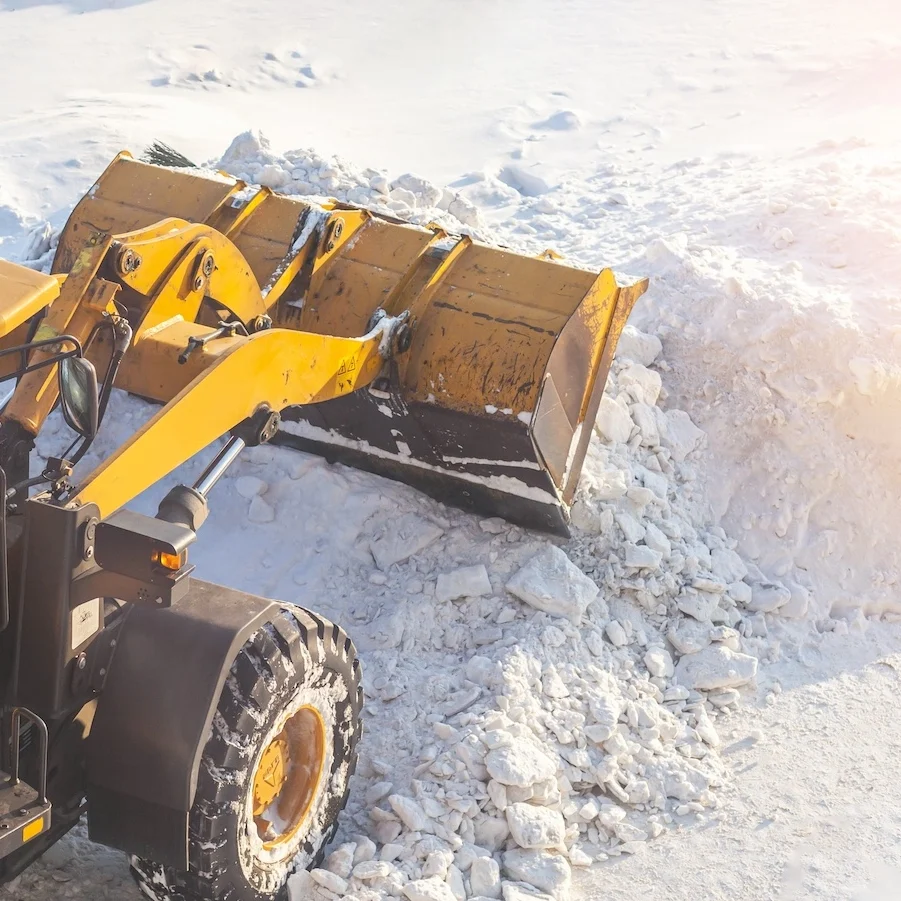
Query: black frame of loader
[[127, 710]]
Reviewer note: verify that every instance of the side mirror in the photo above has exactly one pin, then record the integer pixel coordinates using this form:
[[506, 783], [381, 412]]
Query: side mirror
[[78, 395]]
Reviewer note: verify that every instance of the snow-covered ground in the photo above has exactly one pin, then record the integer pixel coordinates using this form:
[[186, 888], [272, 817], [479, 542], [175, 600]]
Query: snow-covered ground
[[738, 506]]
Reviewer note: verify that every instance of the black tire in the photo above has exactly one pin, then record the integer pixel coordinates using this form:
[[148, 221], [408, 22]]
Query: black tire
[[298, 660]]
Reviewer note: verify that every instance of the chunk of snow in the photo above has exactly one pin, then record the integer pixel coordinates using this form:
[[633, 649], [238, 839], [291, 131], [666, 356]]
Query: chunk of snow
[[403, 538], [535, 827], [715, 667], [260, 511], [432, 889], [547, 872], [521, 764], [682, 435], [768, 596], [614, 421], [466, 582], [635, 345], [551, 582]]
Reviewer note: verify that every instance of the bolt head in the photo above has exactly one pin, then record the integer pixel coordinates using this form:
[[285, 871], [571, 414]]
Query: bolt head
[[404, 339]]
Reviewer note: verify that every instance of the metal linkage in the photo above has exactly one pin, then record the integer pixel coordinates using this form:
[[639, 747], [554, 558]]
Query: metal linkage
[[220, 464]]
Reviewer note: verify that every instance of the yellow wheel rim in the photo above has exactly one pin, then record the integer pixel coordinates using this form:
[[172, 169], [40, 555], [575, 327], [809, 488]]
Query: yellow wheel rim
[[287, 778]]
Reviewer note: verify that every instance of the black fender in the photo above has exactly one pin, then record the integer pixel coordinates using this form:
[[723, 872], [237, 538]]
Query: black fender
[[154, 716]]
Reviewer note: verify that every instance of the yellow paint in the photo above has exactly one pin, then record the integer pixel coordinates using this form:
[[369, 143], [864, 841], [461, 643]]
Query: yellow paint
[[288, 776], [23, 292], [270, 775], [171, 278], [37, 392], [277, 367], [33, 830]]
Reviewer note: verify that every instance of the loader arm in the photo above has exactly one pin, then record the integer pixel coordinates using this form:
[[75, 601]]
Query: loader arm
[[276, 368]]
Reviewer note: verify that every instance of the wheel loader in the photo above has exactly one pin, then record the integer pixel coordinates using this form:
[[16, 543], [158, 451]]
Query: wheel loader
[[208, 733]]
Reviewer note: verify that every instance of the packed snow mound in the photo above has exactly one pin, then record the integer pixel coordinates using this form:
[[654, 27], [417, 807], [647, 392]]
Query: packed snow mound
[[306, 173]]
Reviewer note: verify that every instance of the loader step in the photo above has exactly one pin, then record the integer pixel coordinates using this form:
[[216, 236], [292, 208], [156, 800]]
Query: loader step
[[23, 816]]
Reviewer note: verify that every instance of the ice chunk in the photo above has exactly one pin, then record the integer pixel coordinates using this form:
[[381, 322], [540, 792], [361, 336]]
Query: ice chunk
[[715, 667], [250, 486], [521, 764], [246, 146], [522, 891], [699, 604], [485, 878], [632, 528], [466, 211], [636, 345], [728, 565], [768, 596], [466, 582], [614, 421], [273, 176], [659, 663], [551, 582], [796, 607], [328, 880], [260, 511], [644, 417], [689, 636], [410, 813], [682, 435], [616, 633], [562, 120], [341, 860], [535, 827], [431, 889], [424, 192], [639, 556], [547, 872], [403, 538], [642, 383], [655, 539]]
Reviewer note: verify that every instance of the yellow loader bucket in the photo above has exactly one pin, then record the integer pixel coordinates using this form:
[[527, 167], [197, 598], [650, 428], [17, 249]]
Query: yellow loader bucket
[[491, 407]]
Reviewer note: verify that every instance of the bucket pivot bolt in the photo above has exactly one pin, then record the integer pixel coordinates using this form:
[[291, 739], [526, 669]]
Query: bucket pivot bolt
[[128, 261], [205, 268], [335, 230]]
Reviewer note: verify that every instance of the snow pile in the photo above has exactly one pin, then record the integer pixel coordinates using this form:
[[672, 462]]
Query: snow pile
[[538, 708], [782, 327], [306, 173], [533, 707], [530, 708]]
